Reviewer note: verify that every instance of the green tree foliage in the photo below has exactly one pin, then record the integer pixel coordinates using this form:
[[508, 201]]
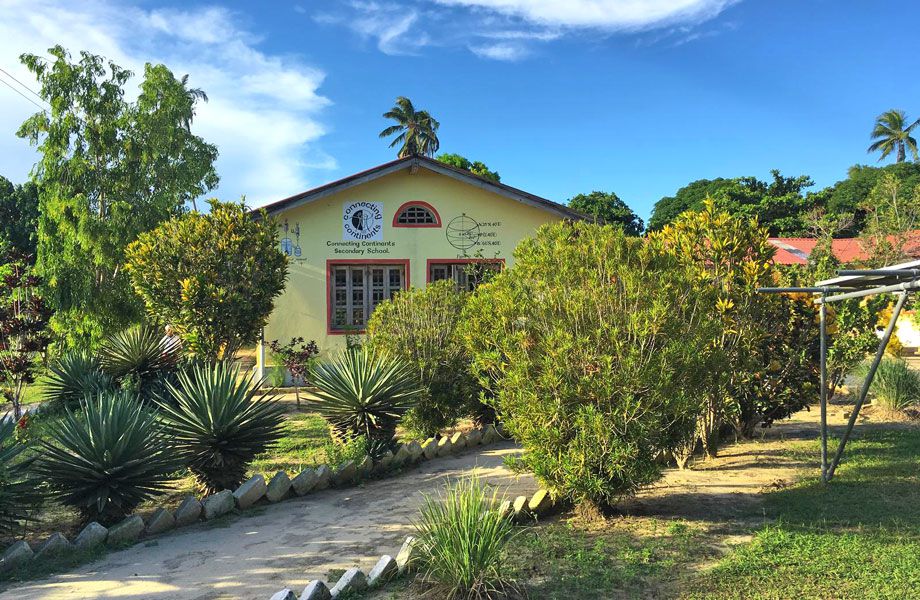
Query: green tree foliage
[[476, 167], [892, 216], [779, 205], [606, 207], [595, 345], [849, 195], [212, 277], [417, 130], [109, 170], [420, 327], [892, 133], [18, 217]]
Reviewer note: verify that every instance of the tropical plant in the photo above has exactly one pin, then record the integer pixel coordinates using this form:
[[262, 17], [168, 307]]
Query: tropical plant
[[108, 169], [418, 130], [362, 391], [896, 386], [18, 216], [107, 459], [893, 134], [476, 167], [419, 326], [140, 358], [74, 376], [461, 539], [219, 422], [295, 356], [24, 333], [212, 277], [597, 348], [19, 495], [892, 215], [607, 207]]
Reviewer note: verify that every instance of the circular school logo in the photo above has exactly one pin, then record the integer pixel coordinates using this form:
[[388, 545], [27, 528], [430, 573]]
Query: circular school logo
[[362, 221]]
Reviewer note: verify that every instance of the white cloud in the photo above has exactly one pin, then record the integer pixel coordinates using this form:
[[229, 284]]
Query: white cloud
[[602, 14], [501, 51], [263, 112], [390, 25]]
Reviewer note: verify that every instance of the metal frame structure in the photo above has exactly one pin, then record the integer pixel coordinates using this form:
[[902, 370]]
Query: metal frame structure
[[901, 280]]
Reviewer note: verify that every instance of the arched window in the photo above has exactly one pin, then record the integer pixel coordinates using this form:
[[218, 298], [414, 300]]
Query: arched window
[[416, 214]]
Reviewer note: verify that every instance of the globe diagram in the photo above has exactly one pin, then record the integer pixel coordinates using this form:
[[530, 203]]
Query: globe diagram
[[463, 232]]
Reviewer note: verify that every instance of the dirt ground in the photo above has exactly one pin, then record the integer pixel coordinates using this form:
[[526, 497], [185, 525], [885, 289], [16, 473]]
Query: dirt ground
[[286, 545]]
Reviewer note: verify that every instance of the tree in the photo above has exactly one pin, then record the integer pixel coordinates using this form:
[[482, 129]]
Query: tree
[[18, 217], [418, 130], [296, 356], [893, 216], [606, 207], [596, 347], [23, 328], [779, 205], [476, 168], [109, 170], [892, 134], [211, 277], [848, 196]]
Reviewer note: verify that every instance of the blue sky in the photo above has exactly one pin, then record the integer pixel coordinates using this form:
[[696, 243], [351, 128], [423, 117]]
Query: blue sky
[[633, 97]]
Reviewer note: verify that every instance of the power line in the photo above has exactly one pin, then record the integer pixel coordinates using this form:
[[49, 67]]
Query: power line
[[7, 84], [24, 86]]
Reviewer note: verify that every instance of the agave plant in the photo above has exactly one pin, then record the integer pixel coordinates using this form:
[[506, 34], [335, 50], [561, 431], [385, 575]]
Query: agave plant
[[18, 497], [140, 358], [73, 377], [220, 423], [107, 459], [364, 392]]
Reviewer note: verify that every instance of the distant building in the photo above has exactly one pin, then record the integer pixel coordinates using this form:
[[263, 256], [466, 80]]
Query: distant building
[[795, 251]]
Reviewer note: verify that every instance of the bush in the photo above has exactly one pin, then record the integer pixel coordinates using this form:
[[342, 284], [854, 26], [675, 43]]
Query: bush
[[108, 459], [73, 377], [419, 326], [597, 347], [461, 541], [896, 386], [362, 391], [18, 495], [218, 423], [140, 359]]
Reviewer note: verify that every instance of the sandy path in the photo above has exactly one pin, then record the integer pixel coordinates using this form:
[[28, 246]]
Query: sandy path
[[253, 555]]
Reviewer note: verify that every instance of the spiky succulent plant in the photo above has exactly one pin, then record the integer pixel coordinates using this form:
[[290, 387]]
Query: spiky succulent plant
[[140, 359], [73, 377], [18, 496], [220, 422], [363, 392], [107, 458]]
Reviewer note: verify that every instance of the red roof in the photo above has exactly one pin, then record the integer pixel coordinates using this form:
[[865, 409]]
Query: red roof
[[795, 251]]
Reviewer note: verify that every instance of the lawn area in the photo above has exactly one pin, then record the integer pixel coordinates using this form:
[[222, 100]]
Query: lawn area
[[301, 445], [858, 537]]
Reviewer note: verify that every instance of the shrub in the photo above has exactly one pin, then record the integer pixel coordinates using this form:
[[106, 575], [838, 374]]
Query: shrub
[[461, 540], [295, 356], [896, 386], [18, 495], [362, 391], [597, 348], [220, 423], [140, 359], [73, 377], [419, 326], [108, 459]]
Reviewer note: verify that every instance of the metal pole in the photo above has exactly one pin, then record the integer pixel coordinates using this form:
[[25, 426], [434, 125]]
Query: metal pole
[[897, 287], [865, 387], [823, 312]]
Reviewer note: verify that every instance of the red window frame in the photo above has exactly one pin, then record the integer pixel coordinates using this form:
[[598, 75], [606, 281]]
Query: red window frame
[[331, 263], [437, 217], [458, 261]]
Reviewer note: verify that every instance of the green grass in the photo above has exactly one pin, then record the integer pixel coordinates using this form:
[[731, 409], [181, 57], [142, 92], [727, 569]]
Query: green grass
[[300, 446], [858, 537]]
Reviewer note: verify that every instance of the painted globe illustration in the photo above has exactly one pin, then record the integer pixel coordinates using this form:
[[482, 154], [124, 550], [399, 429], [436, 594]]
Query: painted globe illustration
[[362, 220], [463, 232]]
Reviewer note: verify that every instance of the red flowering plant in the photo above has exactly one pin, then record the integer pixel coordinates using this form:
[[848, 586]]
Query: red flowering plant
[[295, 356], [24, 334]]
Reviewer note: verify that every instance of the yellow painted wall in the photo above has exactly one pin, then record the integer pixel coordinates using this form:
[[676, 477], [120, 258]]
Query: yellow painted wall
[[302, 309]]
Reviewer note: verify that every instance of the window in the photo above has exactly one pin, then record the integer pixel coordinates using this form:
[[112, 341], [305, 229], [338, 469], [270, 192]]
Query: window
[[416, 214], [357, 289], [466, 275]]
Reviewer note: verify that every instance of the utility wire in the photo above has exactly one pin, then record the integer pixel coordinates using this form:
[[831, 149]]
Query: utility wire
[[24, 86], [7, 84]]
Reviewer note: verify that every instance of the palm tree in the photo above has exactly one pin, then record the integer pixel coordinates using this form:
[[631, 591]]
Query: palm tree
[[890, 134], [418, 130]]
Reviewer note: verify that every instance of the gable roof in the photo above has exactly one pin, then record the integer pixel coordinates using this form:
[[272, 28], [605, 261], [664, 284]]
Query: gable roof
[[413, 163]]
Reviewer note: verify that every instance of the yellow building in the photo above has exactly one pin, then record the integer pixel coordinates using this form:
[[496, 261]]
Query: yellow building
[[355, 242]]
